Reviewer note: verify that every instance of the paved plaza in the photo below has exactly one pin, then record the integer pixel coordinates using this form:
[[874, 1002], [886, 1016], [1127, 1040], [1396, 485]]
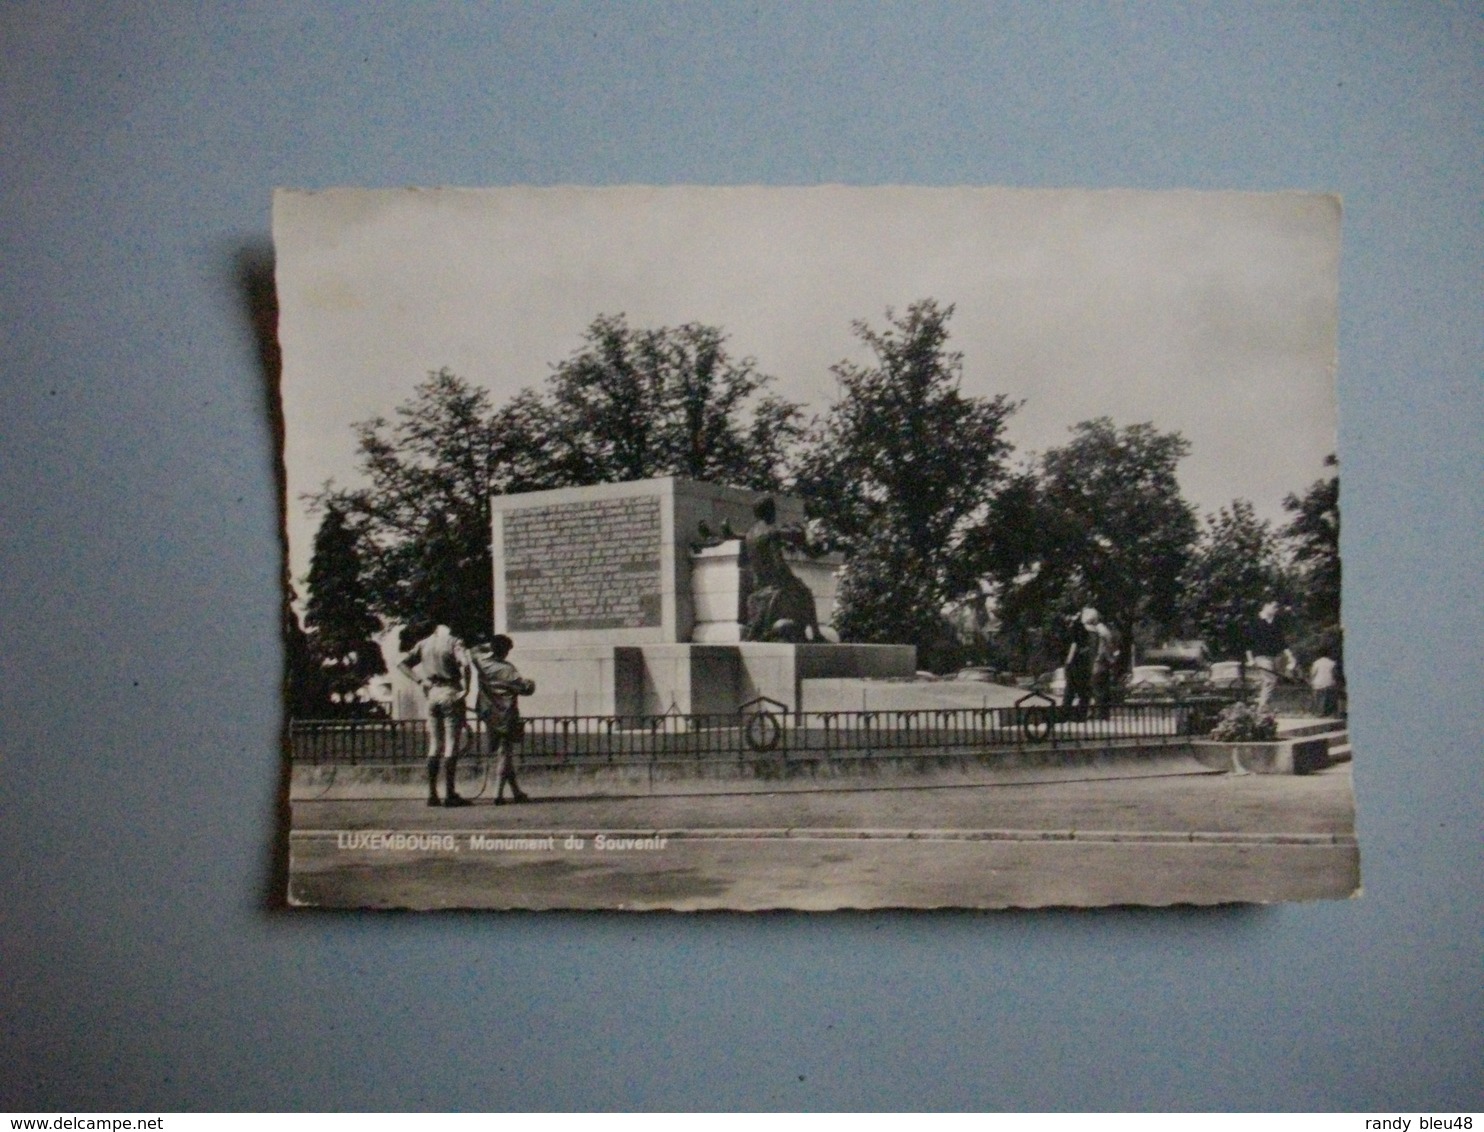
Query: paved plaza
[[1157, 839]]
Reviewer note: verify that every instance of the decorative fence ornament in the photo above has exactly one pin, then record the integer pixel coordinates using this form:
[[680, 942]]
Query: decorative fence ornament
[[763, 729], [1037, 722]]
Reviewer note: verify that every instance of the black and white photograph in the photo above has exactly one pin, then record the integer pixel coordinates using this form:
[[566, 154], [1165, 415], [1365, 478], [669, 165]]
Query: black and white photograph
[[682, 548]]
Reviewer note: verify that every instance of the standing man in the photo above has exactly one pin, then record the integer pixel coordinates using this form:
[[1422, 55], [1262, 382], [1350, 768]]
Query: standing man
[[440, 665], [1267, 650], [1081, 651], [500, 687], [1104, 661]]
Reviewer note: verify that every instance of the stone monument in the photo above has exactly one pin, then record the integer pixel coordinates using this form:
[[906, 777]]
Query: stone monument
[[618, 608], [773, 604]]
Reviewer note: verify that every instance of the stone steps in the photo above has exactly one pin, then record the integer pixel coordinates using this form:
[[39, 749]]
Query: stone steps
[[1332, 730], [1300, 727]]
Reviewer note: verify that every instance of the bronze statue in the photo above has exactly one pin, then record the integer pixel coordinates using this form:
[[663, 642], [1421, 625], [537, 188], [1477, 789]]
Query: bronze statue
[[773, 604]]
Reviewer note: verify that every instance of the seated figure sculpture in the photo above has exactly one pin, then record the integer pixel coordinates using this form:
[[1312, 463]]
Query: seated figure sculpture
[[773, 604]]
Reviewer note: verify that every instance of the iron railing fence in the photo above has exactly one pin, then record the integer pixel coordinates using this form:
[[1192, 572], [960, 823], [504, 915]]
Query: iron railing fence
[[761, 730]]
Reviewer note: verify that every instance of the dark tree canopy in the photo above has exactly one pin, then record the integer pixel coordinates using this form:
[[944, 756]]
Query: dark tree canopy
[[425, 512], [338, 615], [888, 595], [898, 472], [1236, 567], [1116, 514], [1313, 536], [1101, 520], [305, 689], [633, 404]]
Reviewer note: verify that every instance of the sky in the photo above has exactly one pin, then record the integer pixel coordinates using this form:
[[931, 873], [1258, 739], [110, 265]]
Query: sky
[[1212, 314]]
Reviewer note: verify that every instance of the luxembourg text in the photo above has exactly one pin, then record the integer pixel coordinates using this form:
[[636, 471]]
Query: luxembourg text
[[385, 842]]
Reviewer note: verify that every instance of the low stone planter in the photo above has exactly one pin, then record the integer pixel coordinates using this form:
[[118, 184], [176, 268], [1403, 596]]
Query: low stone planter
[[1282, 756]]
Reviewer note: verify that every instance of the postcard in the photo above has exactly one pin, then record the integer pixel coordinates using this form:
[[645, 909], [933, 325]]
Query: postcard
[[701, 548]]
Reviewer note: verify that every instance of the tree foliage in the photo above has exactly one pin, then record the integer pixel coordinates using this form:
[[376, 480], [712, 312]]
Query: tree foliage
[[898, 472], [305, 689], [904, 473], [1313, 536], [670, 401], [1101, 521], [424, 513], [338, 616], [887, 595], [1236, 567]]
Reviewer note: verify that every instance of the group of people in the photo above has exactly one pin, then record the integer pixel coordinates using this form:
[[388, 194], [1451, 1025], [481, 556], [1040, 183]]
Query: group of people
[[1269, 655], [451, 676], [1092, 661]]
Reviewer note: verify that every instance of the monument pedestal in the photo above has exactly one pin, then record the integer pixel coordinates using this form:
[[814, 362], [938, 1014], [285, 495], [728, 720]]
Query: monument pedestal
[[581, 679], [615, 613], [778, 671], [692, 679]]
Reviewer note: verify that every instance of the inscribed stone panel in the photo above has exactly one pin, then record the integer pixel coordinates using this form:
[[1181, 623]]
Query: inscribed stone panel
[[589, 565]]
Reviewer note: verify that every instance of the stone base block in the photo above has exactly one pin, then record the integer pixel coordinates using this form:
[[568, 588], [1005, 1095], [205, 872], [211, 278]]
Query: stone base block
[[778, 671], [857, 694], [689, 680], [692, 679], [582, 679], [1285, 756], [717, 633]]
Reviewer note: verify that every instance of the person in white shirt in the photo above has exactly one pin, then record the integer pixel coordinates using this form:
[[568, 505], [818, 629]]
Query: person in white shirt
[[1268, 653], [1324, 683], [440, 665]]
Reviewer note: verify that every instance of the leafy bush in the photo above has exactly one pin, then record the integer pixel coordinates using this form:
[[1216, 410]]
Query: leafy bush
[[1240, 723]]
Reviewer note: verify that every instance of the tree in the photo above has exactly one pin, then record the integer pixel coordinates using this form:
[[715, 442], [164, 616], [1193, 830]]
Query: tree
[[898, 472], [671, 401], [629, 405], [305, 689], [1105, 525], [424, 515], [1314, 538], [1236, 567], [888, 595], [1009, 548], [338, 617]]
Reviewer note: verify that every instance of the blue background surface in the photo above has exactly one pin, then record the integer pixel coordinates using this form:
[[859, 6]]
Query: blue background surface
[[139, 568]]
